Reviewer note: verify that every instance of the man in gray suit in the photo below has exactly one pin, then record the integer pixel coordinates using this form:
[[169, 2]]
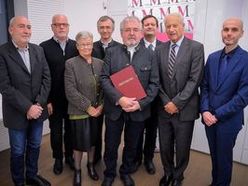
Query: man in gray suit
[[122, 112], [24, 85], [181, 64]]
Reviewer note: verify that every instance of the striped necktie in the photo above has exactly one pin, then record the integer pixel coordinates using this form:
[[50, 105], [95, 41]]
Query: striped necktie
[[172, 60]]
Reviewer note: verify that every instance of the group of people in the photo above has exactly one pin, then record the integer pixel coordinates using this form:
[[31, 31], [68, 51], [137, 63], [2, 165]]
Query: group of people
[[69, 82]]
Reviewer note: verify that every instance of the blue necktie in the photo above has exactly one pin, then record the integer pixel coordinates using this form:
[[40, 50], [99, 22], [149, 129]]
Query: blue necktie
[[223, 68]]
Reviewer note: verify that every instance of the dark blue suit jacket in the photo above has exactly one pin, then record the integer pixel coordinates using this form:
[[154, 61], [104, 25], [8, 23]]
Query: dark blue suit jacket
[[226, 99]]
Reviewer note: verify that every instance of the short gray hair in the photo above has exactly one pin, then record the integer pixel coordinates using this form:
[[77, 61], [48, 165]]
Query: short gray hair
[[127, 19], [83, 34], [179, 16], [105, 18]]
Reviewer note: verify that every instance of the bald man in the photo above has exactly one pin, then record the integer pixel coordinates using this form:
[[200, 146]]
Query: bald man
[[24, 85], [224, 95]]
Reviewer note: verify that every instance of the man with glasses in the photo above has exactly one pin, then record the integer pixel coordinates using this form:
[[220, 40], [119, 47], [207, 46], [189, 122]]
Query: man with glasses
[[57, 50], [105, 27], [125, 112]]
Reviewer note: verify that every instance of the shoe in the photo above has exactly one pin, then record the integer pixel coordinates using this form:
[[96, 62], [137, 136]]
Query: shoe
[[136, 166], [127, 180], [150, 168], [165, 181], [77, 178], [176, 183], [92, 172], [70, 161], [58, 166], [107, 181], [37, 181]]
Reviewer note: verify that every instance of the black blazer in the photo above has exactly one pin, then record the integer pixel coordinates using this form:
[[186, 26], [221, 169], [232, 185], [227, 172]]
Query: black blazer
[[182, 90], [98, 51], [56, 61], [18, 87], [118, 58]]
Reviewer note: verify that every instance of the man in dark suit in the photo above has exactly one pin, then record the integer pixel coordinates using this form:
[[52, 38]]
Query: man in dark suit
[[57, 50], [181, 64], [125, 112], [24, 85], [224, 95], [105, 27], [150, 27]]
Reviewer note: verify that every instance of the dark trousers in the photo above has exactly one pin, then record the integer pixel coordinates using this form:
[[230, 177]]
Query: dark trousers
[[132, 132], [175, 135], [221, 145], [24, 151], [60, 126], [150, 134], [98, 147]]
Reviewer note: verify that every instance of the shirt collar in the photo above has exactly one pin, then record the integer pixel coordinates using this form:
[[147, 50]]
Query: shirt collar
[[147, 43], [178, 43], [16, 46], [58, 41]]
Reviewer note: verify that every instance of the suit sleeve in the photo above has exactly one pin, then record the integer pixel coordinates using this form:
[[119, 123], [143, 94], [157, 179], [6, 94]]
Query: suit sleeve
[[239, 101], [204, 96], [194, 79], [108, 88], [46, 81]]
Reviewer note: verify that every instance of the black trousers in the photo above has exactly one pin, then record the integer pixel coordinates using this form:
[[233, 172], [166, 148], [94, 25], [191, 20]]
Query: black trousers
[[132, 132], [175, 137], [98, 147], [150, 134], [60, 130]]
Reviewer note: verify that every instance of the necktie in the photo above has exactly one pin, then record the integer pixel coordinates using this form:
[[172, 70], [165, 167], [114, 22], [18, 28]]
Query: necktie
[[222, 69], [172, 60], [150, 47]]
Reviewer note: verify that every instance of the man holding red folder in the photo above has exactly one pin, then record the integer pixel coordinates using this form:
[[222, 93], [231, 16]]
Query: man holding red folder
[[124, 112]]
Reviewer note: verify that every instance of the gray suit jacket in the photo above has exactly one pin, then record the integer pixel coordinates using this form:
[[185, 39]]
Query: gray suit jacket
[[82, 86], [146, 69], [19, 88], [182, 89]]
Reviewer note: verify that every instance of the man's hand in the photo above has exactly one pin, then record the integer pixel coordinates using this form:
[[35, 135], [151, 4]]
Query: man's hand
[[50, 108], [136, 106], [171, 108], [209, 118], [126, 102], [34, 112]]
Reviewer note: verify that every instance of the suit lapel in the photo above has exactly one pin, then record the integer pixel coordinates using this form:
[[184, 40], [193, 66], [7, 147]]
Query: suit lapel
[[32, 58], [183, 49], [231, 65], [165, 57], [16, 57]]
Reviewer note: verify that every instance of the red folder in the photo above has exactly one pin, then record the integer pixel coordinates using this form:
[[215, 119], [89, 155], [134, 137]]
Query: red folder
[[127, 82]]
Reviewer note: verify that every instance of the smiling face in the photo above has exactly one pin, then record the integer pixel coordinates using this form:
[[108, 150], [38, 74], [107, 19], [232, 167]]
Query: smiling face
[[174, 27], [20, 31], [131, 32], [149, 27], [60, 27], [105, 29], [232, 31], [85, 46]]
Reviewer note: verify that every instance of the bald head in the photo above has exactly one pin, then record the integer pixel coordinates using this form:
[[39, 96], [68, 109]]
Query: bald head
[[232, 31]]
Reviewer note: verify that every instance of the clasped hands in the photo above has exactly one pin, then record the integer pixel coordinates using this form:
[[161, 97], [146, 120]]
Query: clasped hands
[[208, 118], [34, 112], [129, 104], [171, 108], [95, 112]]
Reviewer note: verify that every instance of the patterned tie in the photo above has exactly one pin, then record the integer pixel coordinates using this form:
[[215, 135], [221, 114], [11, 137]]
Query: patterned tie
[[172, 60]]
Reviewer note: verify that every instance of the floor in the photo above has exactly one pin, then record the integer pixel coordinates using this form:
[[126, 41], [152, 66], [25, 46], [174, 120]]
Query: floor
[[197, 173]]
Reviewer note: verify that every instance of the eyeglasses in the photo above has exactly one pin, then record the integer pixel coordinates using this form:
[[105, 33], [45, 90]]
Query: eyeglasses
[[60, 25], [131, 30], [88, 45]]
